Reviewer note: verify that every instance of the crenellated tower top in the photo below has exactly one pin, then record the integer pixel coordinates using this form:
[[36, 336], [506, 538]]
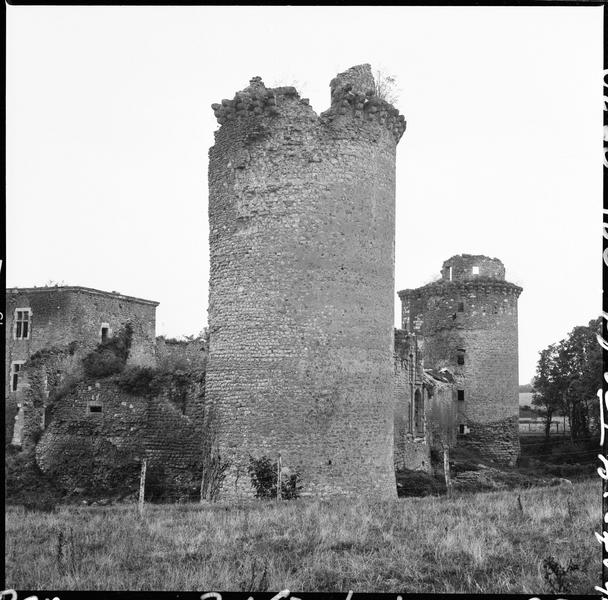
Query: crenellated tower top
[[352, 94]]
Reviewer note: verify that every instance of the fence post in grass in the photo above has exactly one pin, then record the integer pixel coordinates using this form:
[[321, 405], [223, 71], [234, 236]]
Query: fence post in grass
[[279, 477], [446, 470], [142, 484]]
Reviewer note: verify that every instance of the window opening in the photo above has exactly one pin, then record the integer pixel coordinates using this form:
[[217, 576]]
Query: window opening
[[475, 270], [460, 357], [15, 368], [418, 413], [22, 323], [461, 395]]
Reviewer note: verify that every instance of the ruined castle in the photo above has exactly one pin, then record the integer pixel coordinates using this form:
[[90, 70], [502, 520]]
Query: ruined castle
[[467, 323], [303, 364], [303, 360]]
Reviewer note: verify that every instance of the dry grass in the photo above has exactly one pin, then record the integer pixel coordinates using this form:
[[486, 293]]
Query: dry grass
[[473, 543]]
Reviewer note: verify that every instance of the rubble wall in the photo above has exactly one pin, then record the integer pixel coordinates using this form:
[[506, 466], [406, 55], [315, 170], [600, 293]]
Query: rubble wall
[[302, 221]]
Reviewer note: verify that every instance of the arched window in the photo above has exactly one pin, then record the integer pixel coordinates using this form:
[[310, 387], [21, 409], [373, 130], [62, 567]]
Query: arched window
[[418, 413]]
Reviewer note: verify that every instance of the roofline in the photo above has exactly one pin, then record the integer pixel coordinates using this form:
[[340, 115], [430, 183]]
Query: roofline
[[78, 288]]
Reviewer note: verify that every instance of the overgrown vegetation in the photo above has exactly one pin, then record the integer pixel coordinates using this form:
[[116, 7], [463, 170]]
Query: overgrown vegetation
[[26, 484], [163, 486], [110, 356], [418, 483], [385, 87], [469, 544], [567, 378], [150, 382], [92, 468], [264, 474]]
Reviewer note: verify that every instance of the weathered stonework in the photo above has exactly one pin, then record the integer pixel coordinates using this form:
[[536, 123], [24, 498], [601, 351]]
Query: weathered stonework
[[72, 318], [302, 221], [470, 317], [181, 354], [411, 448], [77, 444]]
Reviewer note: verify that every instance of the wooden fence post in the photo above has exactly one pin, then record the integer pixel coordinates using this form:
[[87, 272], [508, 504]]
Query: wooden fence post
[[446, 470], [279, 477], [142, 484]]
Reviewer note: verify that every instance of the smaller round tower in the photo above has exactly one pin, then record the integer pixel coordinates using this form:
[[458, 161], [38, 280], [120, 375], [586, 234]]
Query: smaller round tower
[[467, 322]]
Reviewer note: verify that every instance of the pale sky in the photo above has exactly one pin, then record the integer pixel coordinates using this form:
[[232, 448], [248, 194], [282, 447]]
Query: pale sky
[[109, 124]]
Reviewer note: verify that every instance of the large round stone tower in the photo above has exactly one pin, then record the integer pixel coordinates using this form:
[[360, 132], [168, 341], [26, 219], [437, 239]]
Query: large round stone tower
[[301, 233], [467, 323]]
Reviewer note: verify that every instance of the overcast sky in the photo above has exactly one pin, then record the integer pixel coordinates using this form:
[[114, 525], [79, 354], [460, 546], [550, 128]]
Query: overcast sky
[[109, 124]]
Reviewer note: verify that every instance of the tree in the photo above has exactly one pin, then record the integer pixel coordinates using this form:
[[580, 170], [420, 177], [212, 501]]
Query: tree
[[548, 384], [583, 356], [567, 377]]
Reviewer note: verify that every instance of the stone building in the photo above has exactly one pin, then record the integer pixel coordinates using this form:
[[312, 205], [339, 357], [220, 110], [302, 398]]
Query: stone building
[[467, 323], [411, 450], [71, 320], [302, 226], [425, 406]]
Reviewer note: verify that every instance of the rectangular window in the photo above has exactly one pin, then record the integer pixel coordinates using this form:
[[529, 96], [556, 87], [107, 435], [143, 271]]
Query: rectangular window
[[475, 270], [462, 429], [461, 395], [94, 407], [460, 357], [461, 307], [22, 323], [104, 332], [15, 368]]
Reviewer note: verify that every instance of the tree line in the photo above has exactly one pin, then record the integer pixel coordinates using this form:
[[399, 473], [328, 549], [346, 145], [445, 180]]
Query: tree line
[[568, 376]]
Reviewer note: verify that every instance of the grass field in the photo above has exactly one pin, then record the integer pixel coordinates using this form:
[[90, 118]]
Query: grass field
[[472, 543]]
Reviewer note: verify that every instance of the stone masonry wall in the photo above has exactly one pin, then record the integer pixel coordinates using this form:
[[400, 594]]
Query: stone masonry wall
[[478, 316], [77, 441], [61, 316], [411, 450], [462, 267], [181, 354], [301, 213]]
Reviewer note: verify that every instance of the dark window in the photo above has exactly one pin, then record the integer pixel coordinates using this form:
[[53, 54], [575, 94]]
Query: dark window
[[418, 413], [461, 429], [95, 408], [15, 378], [461, 395], [460, 357], [104, 334], [461, 307], [22, 324]]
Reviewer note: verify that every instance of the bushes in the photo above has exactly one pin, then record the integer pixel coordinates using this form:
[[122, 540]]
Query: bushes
[[85, 465], [149, 383], [418, 483], [26, 484], [110, 357], [163, 484], [264, 475], [140, 381]]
